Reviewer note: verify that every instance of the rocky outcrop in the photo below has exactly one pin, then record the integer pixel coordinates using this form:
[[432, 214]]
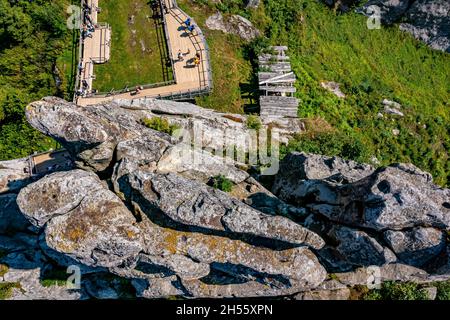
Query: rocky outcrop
[[98, 230], [194, 204], [140, 218], [406, 215], [14, 175], [416, 246], [97, 136], [426, 20], [234, 24]]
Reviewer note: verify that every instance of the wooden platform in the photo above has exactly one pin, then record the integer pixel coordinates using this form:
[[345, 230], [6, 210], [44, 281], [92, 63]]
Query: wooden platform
[[276, 83], [189, 78], [48, 162], [96, 49]]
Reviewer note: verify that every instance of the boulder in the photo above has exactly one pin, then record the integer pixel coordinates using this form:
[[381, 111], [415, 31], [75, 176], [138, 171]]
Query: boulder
[[429, 22], [426, 20], [252, 4], [307, 178], [297, 166], [358, 248], [14, 175], [234, 24], [82, 218], [396, 197], [57, 194], [416, 246], [333, 87], [194, 204], [376, 275]]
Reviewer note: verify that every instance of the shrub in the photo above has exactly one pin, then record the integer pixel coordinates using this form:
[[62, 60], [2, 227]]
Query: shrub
[[331, 144], [6, 289], [3, 270], [160, 124], [253, 122], [222, 183], [54, 277], [391, 290], [443, 290]]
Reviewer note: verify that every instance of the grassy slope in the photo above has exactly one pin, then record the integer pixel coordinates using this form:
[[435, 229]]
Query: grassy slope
[[232, 74], [370, 64], [129, 65]]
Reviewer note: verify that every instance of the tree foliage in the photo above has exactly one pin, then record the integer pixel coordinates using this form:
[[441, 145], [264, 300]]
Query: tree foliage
[[33, 35]]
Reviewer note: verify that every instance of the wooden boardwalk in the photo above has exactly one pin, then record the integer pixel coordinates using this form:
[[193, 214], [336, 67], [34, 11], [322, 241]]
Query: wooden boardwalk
[[276, 81], [189, 78], [48, 162]]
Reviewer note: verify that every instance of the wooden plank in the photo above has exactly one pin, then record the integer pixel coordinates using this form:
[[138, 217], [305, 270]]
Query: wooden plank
[[273, 57], [278, 100], [282, 89], [277, 68], [274, 76], [275, 63], [279, 48]]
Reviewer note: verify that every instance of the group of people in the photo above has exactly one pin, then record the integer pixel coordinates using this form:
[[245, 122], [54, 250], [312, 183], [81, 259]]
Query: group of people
[[197, 58], [87, 30], [88, 26], [189, 25], [84, 89]]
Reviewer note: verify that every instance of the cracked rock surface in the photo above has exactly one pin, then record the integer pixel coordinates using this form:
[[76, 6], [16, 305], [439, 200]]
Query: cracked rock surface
[[140, 218]]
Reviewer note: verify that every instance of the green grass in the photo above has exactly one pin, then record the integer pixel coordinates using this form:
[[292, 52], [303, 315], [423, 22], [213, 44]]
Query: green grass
[[6, 289], [54, 277], [443, 290], [370, 65], [397, 291], [222, 183], [232, 73], [130, 65], [253, 122], [160, 124]]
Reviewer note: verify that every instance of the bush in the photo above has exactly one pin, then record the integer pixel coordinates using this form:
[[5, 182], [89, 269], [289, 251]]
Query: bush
[[391, 290], [3, 270], [6, 289], [443, 290], [160, 124], [54, 277], [253, 122], [330, 144], [222, 183]]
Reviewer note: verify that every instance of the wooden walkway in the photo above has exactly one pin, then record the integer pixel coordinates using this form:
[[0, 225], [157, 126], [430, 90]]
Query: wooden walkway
[[96, 49], [189, 78], [48, 162], [276, 81]]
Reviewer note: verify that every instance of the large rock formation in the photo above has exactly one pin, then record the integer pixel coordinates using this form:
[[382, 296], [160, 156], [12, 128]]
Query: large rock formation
[[234, 24], [426, 20], [139, 216], [406, 214], [14, 175]]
